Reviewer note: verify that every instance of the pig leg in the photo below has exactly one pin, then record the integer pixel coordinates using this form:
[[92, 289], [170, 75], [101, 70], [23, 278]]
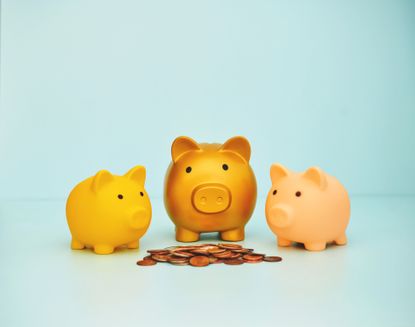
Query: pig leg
[[185, 235], [342, 240], [103, 249], [133, 245], [283, 242], [76, 245], [315, 246], [233, 235]]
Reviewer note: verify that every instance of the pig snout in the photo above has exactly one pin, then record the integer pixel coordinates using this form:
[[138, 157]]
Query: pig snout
[[211, 198], [280, 216], [139, 219]]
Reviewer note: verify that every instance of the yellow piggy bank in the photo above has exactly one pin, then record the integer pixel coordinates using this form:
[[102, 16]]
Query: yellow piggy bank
[[210, 188], [107, 211]]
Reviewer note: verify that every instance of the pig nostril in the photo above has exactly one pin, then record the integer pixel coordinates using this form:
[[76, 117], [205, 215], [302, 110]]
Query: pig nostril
[[211, 198], [275, 192]]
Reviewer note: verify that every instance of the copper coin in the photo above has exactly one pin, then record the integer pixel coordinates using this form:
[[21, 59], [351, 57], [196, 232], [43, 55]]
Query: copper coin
[[179, 263], [146, 262], [160, 257], [233, 262], [223, 255], [171, 247], [157, 251], [272, 258], [252, 257], [199, 251], [219, 261], [253, 261], [186, 248], [176, 258], [216, 250], [204, 254], [199, 261], [243, 250], [229, 246], [181, 253], [206, 245], [212, 259], [235, 255]]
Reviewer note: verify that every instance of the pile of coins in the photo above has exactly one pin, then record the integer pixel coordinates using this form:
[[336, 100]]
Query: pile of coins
[[205, 254]]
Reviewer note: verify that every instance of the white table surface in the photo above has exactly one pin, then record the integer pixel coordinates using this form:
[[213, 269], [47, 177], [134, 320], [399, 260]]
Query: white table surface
[[369, 282]]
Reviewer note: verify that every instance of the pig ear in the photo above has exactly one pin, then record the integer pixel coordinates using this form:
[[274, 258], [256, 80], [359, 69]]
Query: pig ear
[[239, 145], [100, 179], [317, 176], [181, 145], [138, 174], [277, 171]]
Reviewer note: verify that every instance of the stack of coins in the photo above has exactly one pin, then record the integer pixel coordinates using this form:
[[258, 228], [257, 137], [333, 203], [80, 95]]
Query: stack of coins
[[202, 255]]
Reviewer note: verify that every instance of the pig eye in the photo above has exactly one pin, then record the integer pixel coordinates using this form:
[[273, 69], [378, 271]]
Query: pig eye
[[225, 167], [298, 194], [141, 193], [188, 169], [120, 196], [275, 192]]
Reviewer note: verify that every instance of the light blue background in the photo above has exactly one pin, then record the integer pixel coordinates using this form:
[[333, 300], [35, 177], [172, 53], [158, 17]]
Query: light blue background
[[87, 85]]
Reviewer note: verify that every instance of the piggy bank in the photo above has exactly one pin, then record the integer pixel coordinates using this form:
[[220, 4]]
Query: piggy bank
[[312, 208], [210, 188], [108, 211]]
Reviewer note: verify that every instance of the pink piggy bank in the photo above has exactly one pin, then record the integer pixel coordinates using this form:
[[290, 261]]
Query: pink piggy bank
[[311, 208]]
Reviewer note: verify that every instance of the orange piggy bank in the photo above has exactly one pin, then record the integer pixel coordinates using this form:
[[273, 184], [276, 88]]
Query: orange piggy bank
[[312, 208], [210, 188]]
